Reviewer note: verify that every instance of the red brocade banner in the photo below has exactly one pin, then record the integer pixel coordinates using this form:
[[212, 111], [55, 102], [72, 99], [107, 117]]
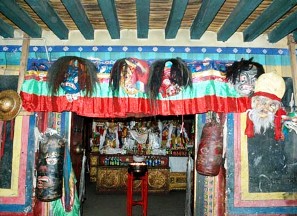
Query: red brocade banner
[[125, 107]]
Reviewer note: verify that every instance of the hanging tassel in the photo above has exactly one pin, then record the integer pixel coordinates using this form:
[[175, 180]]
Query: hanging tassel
[[278, 124], [188, 203], [249, 130], [82, 178], [12, 129], [3, 137]]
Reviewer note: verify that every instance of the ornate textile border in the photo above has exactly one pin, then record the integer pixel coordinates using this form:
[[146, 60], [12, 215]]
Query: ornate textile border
[[156, 49]]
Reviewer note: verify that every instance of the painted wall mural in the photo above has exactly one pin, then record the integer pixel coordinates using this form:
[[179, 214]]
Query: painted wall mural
[[271, 192], [18, 196]]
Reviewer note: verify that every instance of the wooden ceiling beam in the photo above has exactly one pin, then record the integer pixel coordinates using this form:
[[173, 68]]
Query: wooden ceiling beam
[[80, 18], [109, 13], [6, 30], [24, 61], [283, 29], [240, 13], [177, 12], [49, 16], [205, 16], [143, 16], [20, 18], [269, 16]]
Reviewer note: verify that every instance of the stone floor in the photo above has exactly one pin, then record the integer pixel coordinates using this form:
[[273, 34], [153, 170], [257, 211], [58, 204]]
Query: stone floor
[[170, 204]]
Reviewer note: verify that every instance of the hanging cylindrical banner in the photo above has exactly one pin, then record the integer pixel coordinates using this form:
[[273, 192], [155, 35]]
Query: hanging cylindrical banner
[[210, 149], [50, 167]]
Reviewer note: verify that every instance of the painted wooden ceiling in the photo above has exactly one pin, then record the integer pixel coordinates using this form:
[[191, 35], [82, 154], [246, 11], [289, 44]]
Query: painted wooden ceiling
[[276, 18]]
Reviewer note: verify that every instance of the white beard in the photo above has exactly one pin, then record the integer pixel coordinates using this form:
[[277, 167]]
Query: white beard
[[261, 123]]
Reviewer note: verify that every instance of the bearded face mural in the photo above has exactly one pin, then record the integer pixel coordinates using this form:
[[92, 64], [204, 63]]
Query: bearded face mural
[[243, 75], [266, 106]]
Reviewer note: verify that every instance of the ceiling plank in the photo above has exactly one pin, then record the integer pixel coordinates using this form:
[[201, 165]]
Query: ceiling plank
[[6, 30], [49, 16], [240, 13], [269, 16], [142, 13], [205, 15], [177, 12], [283, 29], [109, 13], [80, 18], [20, 18]]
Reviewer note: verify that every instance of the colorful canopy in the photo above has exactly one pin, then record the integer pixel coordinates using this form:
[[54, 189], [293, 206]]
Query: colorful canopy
[[210, 91]]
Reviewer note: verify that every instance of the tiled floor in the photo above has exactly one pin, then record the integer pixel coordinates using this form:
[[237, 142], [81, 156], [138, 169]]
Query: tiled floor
[[170, 204]]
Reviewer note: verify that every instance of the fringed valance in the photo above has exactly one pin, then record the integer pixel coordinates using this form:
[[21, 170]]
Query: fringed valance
[[209, 92]]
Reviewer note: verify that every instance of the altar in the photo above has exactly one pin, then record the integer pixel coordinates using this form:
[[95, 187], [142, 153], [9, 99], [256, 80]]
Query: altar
[[159, 143]]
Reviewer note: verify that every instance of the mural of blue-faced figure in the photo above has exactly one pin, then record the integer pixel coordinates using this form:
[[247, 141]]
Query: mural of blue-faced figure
[[243, 75]]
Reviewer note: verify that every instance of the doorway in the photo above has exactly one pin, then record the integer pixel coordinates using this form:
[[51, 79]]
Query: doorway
[[83, 132]]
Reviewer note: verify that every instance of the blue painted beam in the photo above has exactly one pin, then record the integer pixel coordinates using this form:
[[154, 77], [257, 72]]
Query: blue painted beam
[[6, 30], [177, 12], [205, 15], [142, 13], [20, 18], [49, 16], [283, 29], [240, 13], [80, 18], [110, 16], [273, 12]]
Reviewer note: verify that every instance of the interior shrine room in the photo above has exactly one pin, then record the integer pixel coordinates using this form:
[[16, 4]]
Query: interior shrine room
[[148, 107]]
